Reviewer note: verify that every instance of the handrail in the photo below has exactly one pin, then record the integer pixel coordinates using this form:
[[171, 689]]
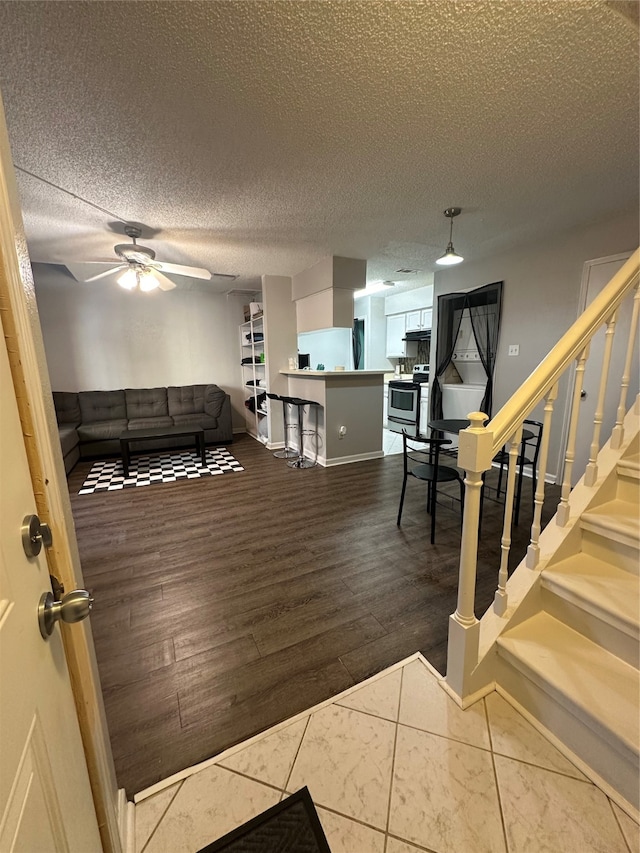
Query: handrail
[[479, 444], [567, 349]]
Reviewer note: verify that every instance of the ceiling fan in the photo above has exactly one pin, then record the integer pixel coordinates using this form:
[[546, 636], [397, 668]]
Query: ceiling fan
[[137, 266]]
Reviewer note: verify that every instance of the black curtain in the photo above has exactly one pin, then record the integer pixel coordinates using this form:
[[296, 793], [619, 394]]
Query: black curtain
[[485, 305], [450, 308]]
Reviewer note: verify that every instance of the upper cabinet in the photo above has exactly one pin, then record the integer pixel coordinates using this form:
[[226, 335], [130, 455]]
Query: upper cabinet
[[395, 333], [417, 320], [413, 320]]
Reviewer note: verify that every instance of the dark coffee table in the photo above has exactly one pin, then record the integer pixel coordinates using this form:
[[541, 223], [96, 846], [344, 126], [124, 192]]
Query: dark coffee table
[[130, 436]]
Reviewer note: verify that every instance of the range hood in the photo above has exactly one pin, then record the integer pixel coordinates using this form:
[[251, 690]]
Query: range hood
[[418, 335]]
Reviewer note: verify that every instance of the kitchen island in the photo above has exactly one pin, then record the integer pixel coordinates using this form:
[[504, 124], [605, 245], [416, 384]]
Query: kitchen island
[[349, 414]]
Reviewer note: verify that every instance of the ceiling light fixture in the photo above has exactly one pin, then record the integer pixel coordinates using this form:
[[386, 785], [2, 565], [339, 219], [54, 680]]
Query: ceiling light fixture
[[450, 256], [128, 279], [138, 277]]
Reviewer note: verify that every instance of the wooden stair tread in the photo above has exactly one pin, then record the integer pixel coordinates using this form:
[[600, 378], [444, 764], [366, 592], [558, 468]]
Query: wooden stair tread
[[604, 590], [630, 466], [618, 519], [591, 683]]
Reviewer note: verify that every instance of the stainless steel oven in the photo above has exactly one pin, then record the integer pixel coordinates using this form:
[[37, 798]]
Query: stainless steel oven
[[404, 406], [403, 409]]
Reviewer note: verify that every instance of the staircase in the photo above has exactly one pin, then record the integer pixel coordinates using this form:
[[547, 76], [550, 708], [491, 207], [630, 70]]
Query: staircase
[[574, 664], [561, 641]]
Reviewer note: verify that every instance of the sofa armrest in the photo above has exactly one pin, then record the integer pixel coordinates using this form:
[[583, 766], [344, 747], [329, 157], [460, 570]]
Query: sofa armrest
[[214, 398]]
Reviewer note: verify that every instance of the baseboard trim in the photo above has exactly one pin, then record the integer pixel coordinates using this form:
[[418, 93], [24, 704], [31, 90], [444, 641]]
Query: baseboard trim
[[345, 460], [126, 822]]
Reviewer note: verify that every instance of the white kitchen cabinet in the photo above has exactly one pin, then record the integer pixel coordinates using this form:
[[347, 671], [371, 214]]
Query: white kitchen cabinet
[[420, 319], [395, 333], [413, 320]]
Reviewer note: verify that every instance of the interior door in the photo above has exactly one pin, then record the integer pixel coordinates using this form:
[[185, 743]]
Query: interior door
[[45, 797], [597, 274]]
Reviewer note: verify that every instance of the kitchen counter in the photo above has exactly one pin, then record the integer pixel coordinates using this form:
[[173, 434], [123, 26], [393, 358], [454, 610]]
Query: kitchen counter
[[321, 373], [349, 414]]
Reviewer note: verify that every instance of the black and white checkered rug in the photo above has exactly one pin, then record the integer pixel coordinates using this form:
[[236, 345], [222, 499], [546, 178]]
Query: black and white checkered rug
[[108, 475]]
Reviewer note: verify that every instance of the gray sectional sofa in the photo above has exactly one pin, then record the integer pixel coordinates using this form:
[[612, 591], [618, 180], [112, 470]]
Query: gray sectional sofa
[[90, 422]]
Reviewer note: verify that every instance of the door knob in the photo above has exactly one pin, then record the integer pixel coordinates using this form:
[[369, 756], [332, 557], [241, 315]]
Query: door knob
[[72, 607], [35, 534]]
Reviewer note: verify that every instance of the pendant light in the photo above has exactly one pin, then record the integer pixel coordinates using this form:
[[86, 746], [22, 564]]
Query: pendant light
[[450, 256]]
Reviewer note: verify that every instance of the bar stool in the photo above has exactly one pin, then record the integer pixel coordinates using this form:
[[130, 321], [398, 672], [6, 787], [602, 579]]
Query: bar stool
[[287, 452], [301, 461]]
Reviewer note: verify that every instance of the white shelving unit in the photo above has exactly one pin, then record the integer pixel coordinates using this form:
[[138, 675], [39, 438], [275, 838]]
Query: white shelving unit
[[254, 376]]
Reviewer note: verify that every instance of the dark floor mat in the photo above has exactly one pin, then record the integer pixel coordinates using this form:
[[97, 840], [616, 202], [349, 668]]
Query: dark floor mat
[[291, 826]]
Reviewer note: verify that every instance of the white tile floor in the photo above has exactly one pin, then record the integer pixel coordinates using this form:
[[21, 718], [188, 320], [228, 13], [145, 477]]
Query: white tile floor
[[391, 442], [394, 766]]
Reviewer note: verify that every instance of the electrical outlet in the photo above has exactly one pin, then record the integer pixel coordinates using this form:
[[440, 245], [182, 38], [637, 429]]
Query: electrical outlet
[[514, 349], [342, 431]]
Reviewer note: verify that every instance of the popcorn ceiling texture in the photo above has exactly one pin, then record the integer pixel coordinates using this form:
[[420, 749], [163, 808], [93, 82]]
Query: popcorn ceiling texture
[[259, 137]]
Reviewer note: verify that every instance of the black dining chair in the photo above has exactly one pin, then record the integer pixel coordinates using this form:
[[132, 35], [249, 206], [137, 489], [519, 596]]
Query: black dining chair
[[421, 460], [527, 455]]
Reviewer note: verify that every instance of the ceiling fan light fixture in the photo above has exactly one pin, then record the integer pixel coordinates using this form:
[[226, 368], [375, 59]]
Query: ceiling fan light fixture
[[128, 279], [450, 257], [147, 281]]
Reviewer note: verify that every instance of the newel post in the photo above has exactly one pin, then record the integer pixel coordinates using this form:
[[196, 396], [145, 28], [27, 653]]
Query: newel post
[[475, 452]]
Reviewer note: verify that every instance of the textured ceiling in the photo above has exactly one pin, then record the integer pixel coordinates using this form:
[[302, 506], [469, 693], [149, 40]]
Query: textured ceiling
[[258, 137]]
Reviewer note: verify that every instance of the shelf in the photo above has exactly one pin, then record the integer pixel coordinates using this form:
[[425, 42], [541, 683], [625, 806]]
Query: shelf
[[256, 418]]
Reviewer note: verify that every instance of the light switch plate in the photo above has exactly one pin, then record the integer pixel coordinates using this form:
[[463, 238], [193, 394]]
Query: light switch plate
[[514, 349]]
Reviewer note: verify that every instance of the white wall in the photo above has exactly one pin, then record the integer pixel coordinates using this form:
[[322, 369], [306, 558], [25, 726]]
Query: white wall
[[409, 300], [539, 301], [98, 336], [371, 310]]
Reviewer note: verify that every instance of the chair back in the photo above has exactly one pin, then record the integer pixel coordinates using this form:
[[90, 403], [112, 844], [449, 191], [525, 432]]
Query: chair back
[[534, 442], [421, 450]]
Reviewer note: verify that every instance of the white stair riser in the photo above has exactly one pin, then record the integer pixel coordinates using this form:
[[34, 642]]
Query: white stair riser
[[621, 772], [619, 639], [621, 555], [628, 489]]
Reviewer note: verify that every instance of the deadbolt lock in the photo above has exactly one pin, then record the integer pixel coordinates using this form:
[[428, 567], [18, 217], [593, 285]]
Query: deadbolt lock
[[35, 534]]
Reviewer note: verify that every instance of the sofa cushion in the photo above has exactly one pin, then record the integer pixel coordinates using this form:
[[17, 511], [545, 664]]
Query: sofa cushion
[[202, 420], [214, 398], [68, 438], [149, 423], [67, 407], [186, 399], [100, 406], [101, 430], [146, 403]]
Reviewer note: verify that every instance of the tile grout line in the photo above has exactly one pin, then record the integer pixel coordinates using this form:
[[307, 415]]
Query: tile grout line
[[495, 775], [619, 825], [419, 847], [295, 757], [496, 752], [393, 760], [162, 817], [251, 778]]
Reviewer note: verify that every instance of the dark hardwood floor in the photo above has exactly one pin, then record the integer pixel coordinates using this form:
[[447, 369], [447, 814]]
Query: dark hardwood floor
[[227, 604]]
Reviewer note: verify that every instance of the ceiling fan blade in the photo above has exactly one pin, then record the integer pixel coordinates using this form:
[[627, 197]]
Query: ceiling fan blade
[[108, 272], [92, 270], [178, 269], [164, 283]]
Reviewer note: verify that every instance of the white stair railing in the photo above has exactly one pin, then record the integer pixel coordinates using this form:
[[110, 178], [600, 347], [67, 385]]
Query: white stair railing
[[479, 444]]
